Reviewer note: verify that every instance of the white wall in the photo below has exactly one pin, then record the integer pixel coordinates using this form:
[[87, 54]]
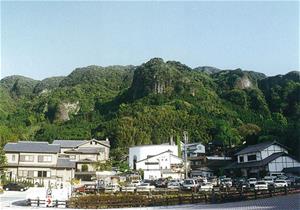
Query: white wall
[[272, 149], [142, 152], [282, 162]]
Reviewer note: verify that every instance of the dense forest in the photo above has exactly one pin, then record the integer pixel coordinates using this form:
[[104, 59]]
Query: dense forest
[[146, 104]]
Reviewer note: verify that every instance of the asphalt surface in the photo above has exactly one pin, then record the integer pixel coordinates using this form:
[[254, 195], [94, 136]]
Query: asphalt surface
[[8, 201]]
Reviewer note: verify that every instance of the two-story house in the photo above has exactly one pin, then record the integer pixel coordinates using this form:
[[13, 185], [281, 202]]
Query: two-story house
[[59, 162], [261, 159], [38, 162], [86, 153]]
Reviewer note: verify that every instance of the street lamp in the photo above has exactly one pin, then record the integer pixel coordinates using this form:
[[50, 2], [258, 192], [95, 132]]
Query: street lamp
[[185, 135]]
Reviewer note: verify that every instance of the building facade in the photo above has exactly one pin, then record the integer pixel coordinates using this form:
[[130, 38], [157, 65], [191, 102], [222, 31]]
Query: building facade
[[162, 165], [156, 161], [264, 158], [57, 163]]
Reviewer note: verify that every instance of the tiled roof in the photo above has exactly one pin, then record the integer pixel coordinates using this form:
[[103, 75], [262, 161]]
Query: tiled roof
[[257, 147], [32, 146], [69, 143], [86, 150], [65, 163]]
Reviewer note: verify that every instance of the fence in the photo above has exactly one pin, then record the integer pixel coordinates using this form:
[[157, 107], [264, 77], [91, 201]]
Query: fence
[[41, 202], [118, 200]]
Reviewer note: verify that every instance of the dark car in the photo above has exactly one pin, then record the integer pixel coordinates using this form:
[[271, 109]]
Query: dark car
[[162, 183], [14, 187]]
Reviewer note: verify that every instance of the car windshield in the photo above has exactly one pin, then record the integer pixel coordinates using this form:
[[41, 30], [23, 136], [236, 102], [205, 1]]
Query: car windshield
[[280, 181], [268, 179], [252, 179], [188, 182], [145, 184]]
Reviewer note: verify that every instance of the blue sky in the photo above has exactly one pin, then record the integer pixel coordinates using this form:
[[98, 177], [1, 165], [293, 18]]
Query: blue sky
[[42, 39]]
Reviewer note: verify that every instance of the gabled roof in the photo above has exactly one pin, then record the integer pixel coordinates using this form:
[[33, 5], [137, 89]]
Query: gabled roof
[[68, 143], [32, 146], [260, 162], [167, 151], [257, 147], [77, 143], [65, 163]]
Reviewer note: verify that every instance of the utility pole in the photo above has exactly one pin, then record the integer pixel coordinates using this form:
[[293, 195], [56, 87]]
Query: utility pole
[[185, 136]]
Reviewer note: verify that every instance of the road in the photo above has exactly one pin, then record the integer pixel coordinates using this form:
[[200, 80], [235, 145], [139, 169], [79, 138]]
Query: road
[[289, 202], [9, 197]]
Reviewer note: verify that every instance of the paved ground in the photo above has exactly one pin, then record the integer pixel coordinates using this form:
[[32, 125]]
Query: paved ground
[[289, 202], [9, 197]]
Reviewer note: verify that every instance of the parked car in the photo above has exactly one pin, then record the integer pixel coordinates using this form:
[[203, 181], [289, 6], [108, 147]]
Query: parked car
[[80, 189], [242, 185], [213, 181], [136, 182], [269, 180], [145, 187], [174, 184], [280, 183], [89, 188], [261, 185], [112, 188], [162, 183], [14, 187], [252, 182], [226, 182], [206, 187], [129, 188], [276, 174], [190, 184]]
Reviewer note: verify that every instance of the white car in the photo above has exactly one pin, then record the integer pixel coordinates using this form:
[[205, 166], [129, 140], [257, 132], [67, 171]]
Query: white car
[[190, 184], [261, 185], [280, 183], [206, 187], [227, 182], [145, 187], [269, 180], [173, 185], [136, 182], [252, 181], [129, 188]]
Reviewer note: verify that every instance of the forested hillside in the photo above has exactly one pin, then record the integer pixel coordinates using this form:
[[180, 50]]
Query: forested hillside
[[147, 104]]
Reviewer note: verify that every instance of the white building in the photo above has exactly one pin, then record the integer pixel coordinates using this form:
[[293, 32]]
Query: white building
[[263, 158], [194, 149], [157, 161], [138, 153]]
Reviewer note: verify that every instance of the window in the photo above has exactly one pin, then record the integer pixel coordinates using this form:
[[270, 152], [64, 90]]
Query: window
[[44, 158], [26, 158], [23, 173], [13, 157], [42, 173], [72, 157], [31, 173], [251, 157], [241, 159]]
